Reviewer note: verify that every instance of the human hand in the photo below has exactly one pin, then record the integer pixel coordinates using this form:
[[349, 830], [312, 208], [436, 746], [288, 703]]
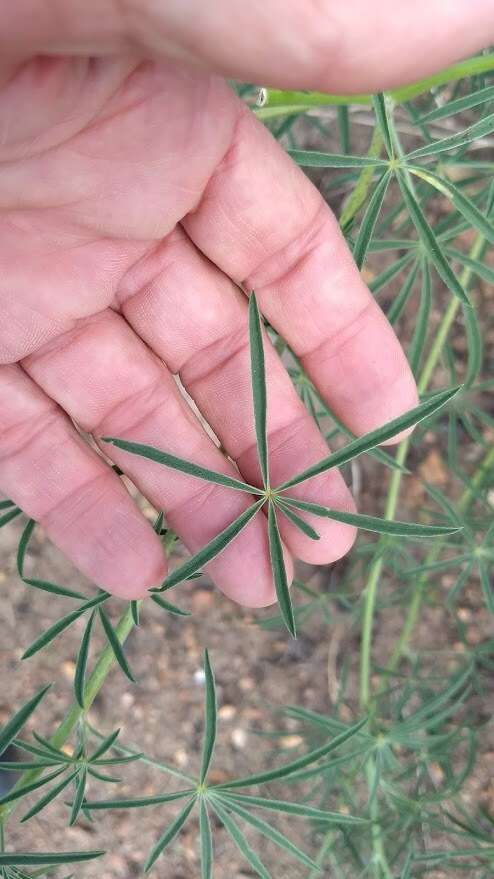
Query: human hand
[[136, 195]]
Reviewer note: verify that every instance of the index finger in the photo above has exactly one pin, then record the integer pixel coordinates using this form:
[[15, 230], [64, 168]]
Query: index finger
[[266, 226]]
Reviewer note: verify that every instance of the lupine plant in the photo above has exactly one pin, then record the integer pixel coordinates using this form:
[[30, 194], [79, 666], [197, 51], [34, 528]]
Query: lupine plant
[[378, 785]]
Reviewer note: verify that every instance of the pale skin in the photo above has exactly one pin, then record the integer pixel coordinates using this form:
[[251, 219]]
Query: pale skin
[[137, 198]]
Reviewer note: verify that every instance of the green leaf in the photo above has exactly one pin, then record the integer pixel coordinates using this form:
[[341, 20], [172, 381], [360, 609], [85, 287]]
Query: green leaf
[[374, 523], [115, 645], [300, 523], [212, 549], [134, 609], [210, 713], [430, 243], [474, 132], [139, 802], [101, 776], [279, 572], [51, 795], [381, 111], [5, 505], [295, 765], [39, 584], [18, 792], [422, 321], [259, 393], [459, 105], [239, 840], [374, 438], [312, 159], [15, 724], [462, 203], [369, 221], [49, 858], [9, 516], [80, 790], [206, 841], [180, 464], [61, 624], [81, 664], [486, 583], [298, 810], [171, 608], [272, 834], [41, 752], [169, 835]]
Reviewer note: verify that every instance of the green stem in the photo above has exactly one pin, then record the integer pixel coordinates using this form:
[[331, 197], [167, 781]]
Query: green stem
[[279, 102], [380, 862]]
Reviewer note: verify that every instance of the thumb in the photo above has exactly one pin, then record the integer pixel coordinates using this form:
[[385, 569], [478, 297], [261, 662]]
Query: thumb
[[345, 46]]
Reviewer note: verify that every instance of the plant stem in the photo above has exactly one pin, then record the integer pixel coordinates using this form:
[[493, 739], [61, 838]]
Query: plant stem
[[280, 102]]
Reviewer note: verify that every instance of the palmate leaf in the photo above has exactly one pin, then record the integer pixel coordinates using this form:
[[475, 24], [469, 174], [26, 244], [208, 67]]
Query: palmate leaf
[[81, 664], [373, 523], [313, 159], [206, 841], [298, 810], [44, 585], [459, 105], [169, 607], [60, 625], [462, 203], [430, 242], [138, 802], [80, 789], [9, 731], [18, 792], [422, 324], [9, 516], [239, 839], [474, 132], [181, 464], [279, 571], [259, 394], [212, 549], [301, 763], [115, 645], [381, 111], [270, 833], [374, 438], [210, 715], [50, 796], [169, 835], [50, 859], [368, 224], [296, 520]]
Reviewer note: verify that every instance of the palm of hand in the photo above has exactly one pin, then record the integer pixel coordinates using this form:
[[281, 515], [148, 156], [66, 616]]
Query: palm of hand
[[131, 195]]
